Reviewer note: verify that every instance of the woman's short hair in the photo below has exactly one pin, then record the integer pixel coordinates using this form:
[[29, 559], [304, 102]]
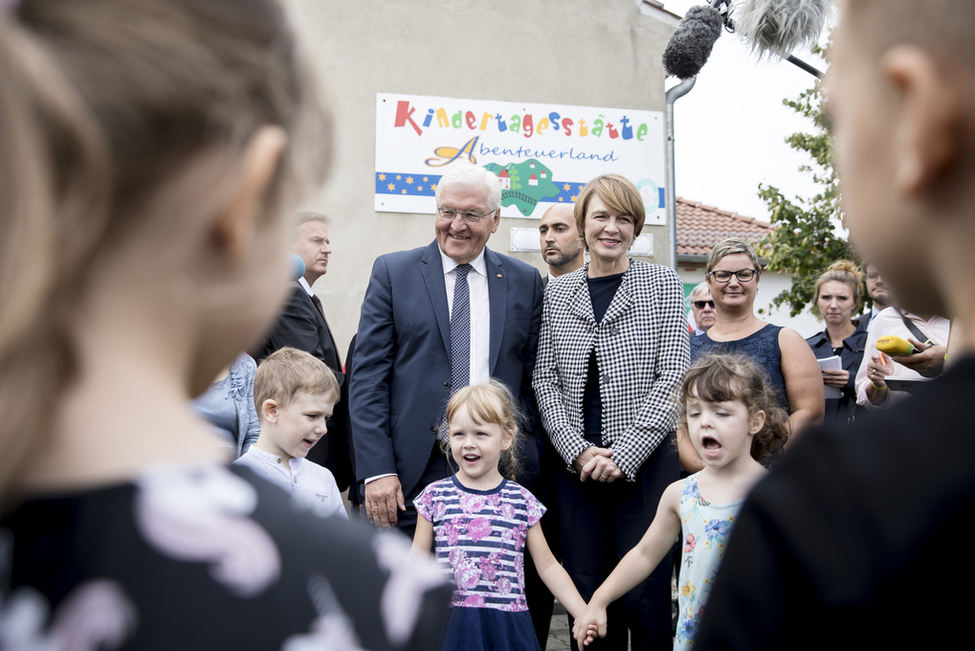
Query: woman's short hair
[[731, 246], [619, 195], [841, 271], [472, 178]]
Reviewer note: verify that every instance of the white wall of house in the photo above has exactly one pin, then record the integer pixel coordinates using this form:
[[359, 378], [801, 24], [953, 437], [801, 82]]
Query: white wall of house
[[603, 53]]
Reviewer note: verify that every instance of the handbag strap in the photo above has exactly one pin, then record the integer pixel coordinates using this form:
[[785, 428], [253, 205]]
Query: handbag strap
[[920, 336]]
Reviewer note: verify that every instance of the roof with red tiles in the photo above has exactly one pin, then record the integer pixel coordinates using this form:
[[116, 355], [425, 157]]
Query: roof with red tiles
[[700, 227]]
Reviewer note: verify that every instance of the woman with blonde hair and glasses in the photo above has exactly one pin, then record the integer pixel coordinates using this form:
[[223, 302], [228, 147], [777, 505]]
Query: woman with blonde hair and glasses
[[151, 150], [733, 271]]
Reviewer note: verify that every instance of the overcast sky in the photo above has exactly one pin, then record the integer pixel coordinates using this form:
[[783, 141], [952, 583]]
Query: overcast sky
[[730, 129]]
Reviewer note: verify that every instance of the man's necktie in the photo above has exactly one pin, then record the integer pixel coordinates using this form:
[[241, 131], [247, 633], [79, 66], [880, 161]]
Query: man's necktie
[[460, 336], [318, 303]]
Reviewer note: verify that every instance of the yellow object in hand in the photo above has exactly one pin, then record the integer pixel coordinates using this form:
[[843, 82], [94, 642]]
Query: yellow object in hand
[[894, 345]]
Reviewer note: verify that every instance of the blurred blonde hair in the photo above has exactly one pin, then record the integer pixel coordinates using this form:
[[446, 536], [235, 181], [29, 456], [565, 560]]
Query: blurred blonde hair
[[108, 107]]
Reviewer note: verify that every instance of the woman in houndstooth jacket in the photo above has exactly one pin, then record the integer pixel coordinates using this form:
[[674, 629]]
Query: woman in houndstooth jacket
[[612, 348]]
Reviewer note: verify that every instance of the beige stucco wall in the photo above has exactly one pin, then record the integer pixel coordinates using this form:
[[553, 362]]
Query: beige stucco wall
[[585, 52]]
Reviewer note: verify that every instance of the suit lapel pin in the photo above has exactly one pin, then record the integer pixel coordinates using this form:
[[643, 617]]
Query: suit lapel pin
[[499, 275]]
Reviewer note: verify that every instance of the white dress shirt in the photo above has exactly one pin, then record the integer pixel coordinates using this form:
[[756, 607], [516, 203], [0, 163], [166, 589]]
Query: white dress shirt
[[310, 483], [477, 283], [889, 322]]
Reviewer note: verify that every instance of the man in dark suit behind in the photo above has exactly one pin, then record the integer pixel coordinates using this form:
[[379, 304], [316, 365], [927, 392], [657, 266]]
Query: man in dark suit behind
[[302, 325], [403, 353]]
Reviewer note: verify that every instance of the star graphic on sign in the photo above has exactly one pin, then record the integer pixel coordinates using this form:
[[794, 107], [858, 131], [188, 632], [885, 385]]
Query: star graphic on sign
[[391, 187], [398, 177], [580, 189], [561, 199], [425, 179], [572, 198], [566, 187], [404, 190], [419, 188], [409, 180], [433, 187], [382, 177]]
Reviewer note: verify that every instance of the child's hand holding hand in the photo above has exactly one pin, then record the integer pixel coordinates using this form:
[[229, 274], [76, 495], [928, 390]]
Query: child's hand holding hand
[[588, 625]]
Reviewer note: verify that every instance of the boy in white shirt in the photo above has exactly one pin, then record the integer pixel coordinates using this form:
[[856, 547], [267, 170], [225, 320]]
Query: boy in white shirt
[[294, 393]]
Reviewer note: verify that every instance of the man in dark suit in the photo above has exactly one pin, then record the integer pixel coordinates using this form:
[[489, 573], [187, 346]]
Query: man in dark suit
[[302, 325], [404, 362], [559, 241]]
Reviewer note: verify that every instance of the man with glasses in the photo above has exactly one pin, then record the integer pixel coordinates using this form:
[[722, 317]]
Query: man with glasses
[[434, 320], [702, 309]]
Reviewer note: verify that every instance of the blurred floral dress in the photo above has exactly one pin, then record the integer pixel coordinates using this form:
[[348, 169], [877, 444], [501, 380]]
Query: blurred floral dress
[[206, 557]]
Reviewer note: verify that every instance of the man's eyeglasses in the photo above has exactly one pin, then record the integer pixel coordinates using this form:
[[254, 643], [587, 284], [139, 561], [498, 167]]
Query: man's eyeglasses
[[743, 276], [448, 214], [701, 304]]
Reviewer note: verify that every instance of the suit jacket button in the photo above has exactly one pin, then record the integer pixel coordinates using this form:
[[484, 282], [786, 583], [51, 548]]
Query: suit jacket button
[[446, 385]]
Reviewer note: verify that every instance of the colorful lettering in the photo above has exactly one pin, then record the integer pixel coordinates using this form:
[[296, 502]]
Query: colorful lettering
[[404, 114], [471, 120], [641, 132], [442, 120], [447, 155], [526, 125], [627, 129]]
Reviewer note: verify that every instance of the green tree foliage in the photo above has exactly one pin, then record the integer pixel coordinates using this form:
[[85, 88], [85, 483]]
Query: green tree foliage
[[805, 238]]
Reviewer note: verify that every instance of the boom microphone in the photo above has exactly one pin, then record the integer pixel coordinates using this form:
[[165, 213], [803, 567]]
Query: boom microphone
[[297, 266], [767, 26], [780, 26], [690, 45]]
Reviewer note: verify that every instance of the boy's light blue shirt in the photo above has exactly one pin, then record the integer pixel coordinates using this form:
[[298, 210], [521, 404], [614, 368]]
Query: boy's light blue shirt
[[310, 483]]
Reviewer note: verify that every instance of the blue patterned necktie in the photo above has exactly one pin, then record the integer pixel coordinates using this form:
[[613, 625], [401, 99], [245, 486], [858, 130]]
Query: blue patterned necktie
[[460, 335]]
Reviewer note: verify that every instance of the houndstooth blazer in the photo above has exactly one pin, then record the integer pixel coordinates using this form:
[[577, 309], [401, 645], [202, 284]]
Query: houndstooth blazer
[[642, 354]]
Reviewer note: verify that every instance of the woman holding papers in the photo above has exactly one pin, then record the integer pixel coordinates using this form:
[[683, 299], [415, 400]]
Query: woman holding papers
[[839, 348]]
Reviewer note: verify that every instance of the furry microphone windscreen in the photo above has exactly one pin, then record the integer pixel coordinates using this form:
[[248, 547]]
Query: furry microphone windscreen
[[780, 26], [690, 45]]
